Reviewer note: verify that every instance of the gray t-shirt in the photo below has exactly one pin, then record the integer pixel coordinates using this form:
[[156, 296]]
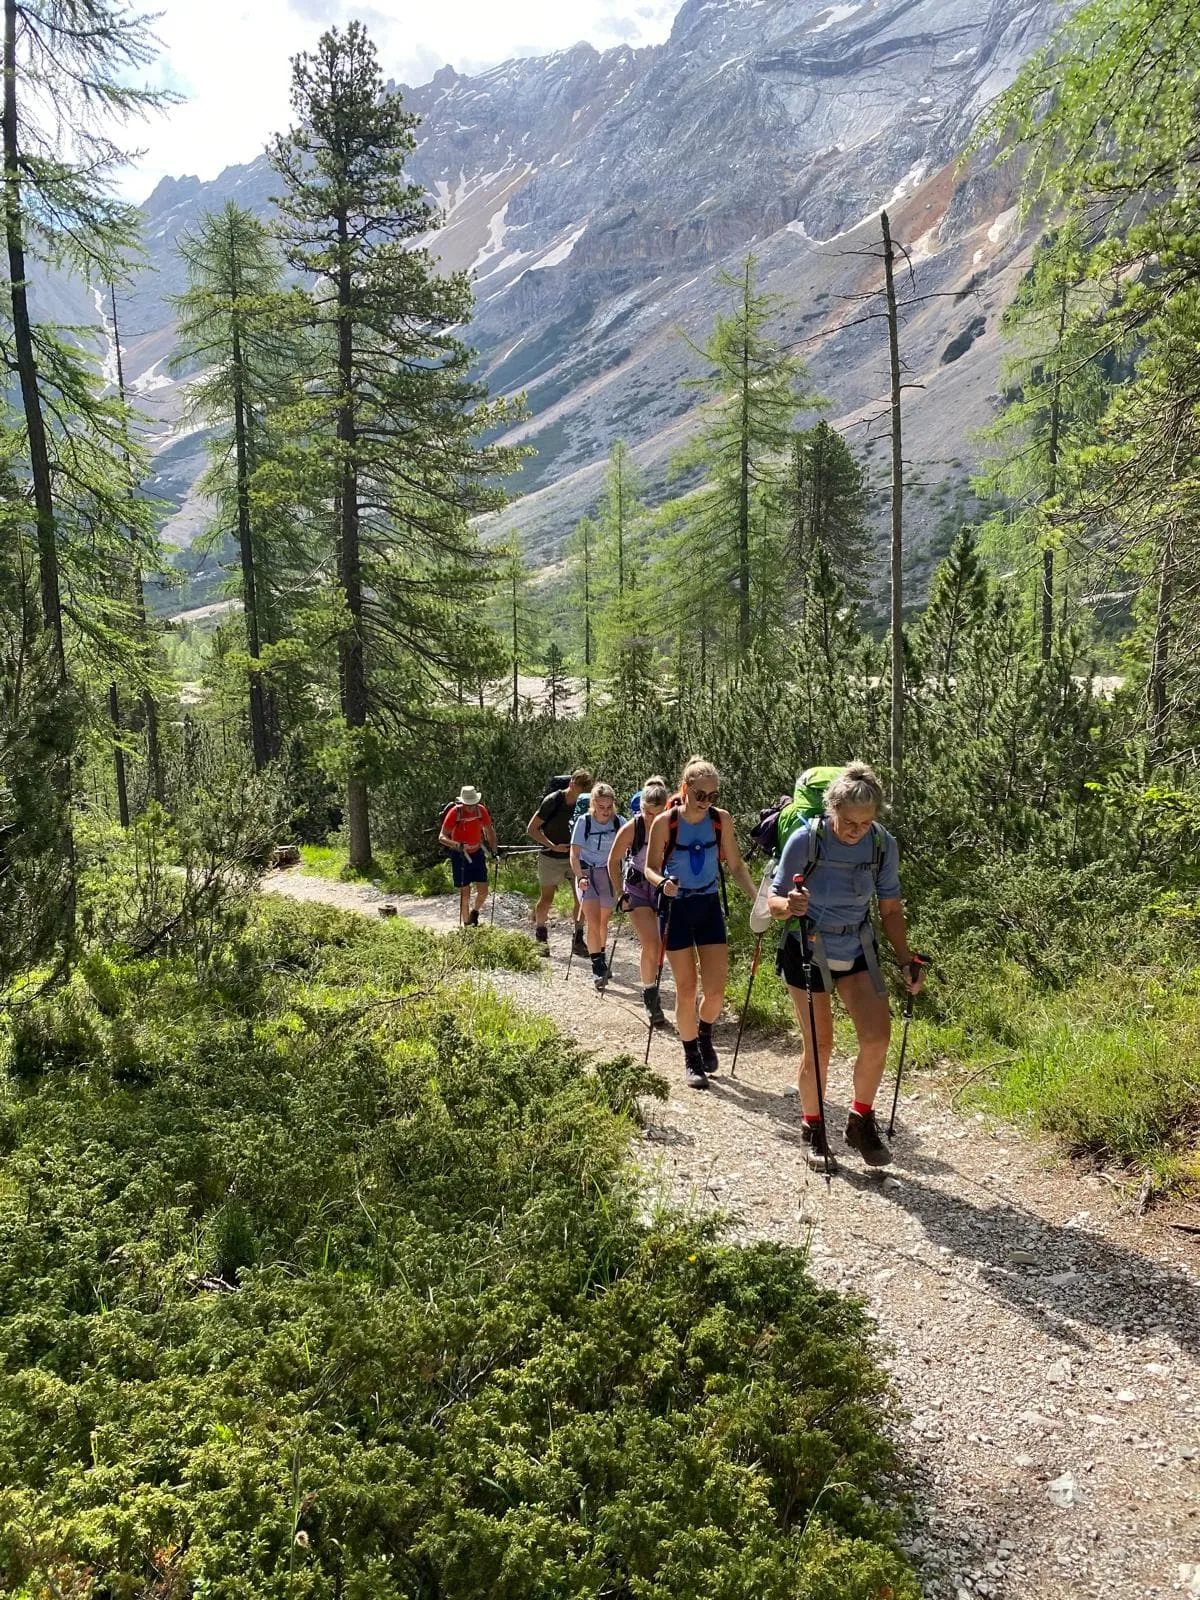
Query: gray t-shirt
[[841, 885]]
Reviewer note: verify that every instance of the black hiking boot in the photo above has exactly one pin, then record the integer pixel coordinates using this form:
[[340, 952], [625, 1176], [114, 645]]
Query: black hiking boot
[[473, 920], [542, 937], [862, 1134], [580, 941], [818, 1149], [708, 1055], [694, 1074], [653, 1005], [600, 972]]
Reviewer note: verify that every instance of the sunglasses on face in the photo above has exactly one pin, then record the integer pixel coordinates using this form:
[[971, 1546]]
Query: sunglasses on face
[[704, 797]]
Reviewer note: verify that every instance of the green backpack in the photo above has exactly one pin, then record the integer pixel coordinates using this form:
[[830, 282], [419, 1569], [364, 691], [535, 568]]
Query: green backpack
[[807, 804]]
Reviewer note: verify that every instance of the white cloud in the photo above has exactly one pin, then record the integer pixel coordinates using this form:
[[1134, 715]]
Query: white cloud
[[230, 58]]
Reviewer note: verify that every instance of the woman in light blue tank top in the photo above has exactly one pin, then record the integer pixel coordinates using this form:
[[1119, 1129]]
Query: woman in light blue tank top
[[690, 845], [627, 866]]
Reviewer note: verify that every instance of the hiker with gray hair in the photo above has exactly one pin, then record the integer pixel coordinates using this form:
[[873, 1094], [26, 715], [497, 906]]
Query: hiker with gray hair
[[830, 872], [464, 828]]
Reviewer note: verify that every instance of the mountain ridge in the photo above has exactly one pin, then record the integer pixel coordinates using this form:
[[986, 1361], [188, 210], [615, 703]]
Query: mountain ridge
[[595, 196]]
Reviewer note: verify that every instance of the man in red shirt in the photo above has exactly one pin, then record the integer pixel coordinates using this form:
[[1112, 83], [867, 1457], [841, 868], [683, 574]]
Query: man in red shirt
[[464, 828]]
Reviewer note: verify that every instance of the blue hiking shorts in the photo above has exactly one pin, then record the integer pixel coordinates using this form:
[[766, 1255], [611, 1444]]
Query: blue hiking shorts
[[695, 919], [469, 869]]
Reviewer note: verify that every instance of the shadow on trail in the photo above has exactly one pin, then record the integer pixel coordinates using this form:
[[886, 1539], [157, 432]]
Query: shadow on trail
[[1078, 1275]]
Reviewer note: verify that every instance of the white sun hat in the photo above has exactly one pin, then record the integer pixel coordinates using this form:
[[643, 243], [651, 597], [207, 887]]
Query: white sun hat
[[469, 796]]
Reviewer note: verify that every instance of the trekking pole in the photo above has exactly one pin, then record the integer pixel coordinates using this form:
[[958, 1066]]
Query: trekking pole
[[617, 913], [798, 881], [495, 884], [746, 1007], [574, 927], [662, 956], [916, 961]]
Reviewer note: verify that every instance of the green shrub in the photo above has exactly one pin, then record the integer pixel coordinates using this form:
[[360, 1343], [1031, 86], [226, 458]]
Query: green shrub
[[352, 1295]]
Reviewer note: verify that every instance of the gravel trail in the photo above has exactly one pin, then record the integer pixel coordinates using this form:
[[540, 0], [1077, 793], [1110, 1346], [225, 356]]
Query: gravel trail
[[1044, 1339]]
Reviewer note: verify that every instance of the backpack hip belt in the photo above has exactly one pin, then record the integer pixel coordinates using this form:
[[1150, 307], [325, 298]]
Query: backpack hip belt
[[813, 943]]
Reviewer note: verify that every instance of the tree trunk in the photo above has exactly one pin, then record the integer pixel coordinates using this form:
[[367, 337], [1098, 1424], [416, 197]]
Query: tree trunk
[[897, 621], [39, 457], [1052, 484], [587, 621], [114, 712], [743, 528], [258, 717], [351, 649], [1157, 699], [149, 704], [515, 649]]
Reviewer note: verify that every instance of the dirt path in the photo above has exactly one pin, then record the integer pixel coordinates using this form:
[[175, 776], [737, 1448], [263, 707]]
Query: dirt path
[[1046, 1342]]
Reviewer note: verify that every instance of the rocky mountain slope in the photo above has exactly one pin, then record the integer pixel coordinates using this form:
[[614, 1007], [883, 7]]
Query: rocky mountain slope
[[594, 198]]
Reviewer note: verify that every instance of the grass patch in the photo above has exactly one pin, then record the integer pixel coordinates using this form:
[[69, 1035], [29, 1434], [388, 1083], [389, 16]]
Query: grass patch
[[1109, 1065], [322, 1274]]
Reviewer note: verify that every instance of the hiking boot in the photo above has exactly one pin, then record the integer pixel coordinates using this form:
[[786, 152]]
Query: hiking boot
[[708, 1056], [473, 920], [653, 1005], [862, 1134], [542, 937], [600, 972], [579, 942], [819, 1148], [694, 1074], [806, 1129]]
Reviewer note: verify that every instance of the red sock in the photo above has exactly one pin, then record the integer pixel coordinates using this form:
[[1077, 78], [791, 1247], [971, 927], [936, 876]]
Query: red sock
[[859, 1109], [810, 1122]]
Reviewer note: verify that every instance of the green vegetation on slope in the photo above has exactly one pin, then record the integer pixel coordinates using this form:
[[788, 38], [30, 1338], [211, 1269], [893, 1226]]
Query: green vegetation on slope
[[322, 1277]]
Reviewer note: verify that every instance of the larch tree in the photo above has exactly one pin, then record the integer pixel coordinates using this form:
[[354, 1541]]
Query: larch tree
[[394, 416]]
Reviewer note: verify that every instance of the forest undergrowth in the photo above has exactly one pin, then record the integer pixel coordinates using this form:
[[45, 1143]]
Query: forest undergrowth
[[323, 1272]]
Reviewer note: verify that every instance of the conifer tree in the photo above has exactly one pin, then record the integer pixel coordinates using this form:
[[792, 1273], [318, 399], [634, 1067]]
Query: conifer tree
[[556, 680], [393, 414], [583, 561], [66, 89], [756, 388], [824, 504], [236, 324]]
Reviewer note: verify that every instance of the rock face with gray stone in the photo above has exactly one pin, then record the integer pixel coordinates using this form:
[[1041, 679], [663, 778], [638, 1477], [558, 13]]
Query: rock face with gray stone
[[595, 197]]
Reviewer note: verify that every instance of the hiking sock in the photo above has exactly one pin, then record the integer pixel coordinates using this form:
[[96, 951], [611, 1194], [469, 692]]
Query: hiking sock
[[707, 1054], [859, 1108], [653, 1005], [694, 1065]]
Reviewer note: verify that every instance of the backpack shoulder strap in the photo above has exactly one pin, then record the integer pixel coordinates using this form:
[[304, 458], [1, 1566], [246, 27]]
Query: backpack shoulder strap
[[717, 834], [587, 826], [880, 853], [672, 834], [639, 833], [814, 845]]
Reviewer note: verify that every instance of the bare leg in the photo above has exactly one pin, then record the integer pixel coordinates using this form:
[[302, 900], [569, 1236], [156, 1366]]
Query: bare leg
[[714, 974], [464, 898], [806, 1078], [683, 969], [872, 1019], [649, 941]]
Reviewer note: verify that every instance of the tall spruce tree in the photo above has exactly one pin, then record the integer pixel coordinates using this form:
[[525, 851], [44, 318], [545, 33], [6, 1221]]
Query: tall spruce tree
[[394, 414], [67, 65], [755, 387], [236, 324], [824, 505]]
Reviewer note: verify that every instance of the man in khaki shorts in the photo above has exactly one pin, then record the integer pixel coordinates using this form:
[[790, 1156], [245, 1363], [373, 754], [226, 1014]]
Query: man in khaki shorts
[[550, 826]]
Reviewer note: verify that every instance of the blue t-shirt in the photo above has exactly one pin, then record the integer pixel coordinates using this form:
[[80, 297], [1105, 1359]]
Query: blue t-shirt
[[841, 885], [593, 852]]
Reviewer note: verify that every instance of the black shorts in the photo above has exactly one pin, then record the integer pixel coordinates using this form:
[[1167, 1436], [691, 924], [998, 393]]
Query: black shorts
[[468, 869], [789, 963], [696, 919]]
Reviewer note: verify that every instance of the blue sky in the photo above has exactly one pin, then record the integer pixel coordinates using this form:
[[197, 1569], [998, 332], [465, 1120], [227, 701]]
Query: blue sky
[[230, 59]]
